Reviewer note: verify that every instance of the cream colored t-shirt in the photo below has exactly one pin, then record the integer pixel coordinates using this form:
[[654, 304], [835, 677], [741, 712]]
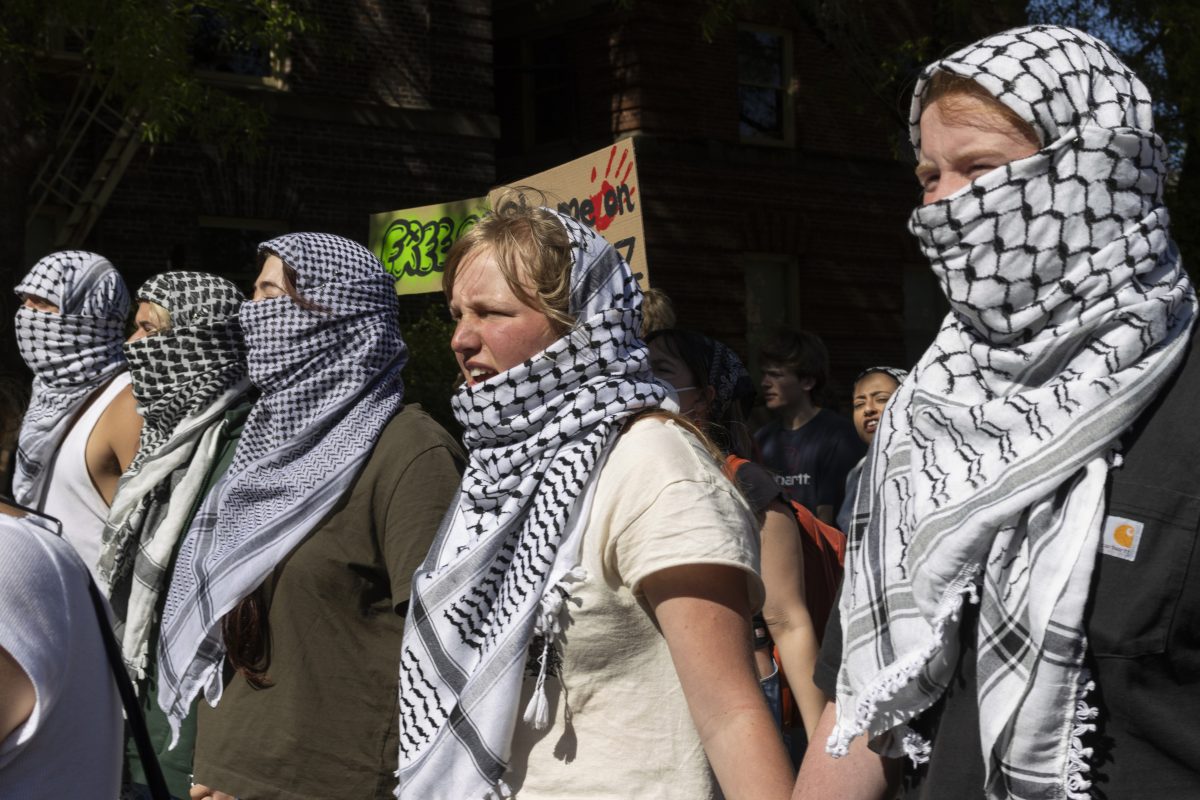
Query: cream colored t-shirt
[[620, 724]]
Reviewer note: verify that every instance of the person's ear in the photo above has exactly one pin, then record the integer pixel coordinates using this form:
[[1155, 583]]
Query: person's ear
[[808, 384]]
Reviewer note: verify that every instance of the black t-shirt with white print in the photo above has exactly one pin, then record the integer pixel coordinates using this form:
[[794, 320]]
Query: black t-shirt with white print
[[811, 462], [1142, 622]]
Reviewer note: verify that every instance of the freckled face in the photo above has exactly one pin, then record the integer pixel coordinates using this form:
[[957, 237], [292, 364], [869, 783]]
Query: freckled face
[[495, 330], [962, 139]]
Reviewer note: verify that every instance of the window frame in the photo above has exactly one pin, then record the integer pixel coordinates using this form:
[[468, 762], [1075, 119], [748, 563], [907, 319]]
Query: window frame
[[787, 88]]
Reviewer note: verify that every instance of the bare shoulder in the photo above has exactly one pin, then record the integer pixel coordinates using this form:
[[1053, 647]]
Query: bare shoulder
[[121, 420]]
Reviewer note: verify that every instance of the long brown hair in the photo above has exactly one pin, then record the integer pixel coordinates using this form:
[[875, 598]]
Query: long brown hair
[[248, 639]]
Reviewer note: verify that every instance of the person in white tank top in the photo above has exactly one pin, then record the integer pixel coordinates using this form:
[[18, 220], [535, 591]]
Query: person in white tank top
[[82, 428]]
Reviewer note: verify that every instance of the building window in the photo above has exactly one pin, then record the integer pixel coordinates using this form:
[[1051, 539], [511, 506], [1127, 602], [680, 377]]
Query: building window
[[766, 109], [535, 93]]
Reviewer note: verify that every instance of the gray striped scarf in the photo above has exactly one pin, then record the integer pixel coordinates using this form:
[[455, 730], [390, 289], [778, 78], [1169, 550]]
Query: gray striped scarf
[[330, 378], [72, 354], [502, 565], [184, 379], [985, 482]]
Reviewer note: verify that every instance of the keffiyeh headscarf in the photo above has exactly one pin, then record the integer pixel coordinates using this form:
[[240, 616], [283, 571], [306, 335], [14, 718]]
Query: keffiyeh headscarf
[[508, 552], [184, 379], [986, 479], [72, 354], [727, 376], [895, 373], [330, 381]]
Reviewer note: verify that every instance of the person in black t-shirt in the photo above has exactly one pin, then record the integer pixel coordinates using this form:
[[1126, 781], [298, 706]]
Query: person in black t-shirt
[[810, 449], [1021, 600]]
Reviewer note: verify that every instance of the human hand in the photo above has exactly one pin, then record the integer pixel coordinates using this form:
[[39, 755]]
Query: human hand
[[199, 792]]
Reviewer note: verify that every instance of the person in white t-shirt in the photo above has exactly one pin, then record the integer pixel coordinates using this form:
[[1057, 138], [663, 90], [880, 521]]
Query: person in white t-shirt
[[81, 430], [60, 713], [580, 628]]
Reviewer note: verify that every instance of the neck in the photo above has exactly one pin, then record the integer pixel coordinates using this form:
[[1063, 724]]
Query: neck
[[797, 416]]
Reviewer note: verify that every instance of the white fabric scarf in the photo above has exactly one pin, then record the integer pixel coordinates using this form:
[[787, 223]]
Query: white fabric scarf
[[330, 378], [184, 379], [72, 354], [1069, 311], [508, 551]]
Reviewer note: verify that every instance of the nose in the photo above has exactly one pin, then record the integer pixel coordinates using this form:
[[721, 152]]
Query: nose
[[137, 334], [465, 340]]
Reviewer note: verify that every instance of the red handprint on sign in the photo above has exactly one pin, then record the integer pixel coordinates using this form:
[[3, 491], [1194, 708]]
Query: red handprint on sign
[[610, 201]]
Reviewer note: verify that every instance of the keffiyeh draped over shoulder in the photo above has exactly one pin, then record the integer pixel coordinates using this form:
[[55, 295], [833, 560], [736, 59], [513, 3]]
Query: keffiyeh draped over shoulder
[[184, 380], [1069, 311], [72, 354], [508, 551], [330, 381]]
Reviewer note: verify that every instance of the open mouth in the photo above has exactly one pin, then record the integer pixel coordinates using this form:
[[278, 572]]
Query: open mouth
[[478, 375]]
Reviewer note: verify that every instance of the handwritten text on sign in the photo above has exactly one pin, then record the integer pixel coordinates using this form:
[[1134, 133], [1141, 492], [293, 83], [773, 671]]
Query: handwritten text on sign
[[603, 194]]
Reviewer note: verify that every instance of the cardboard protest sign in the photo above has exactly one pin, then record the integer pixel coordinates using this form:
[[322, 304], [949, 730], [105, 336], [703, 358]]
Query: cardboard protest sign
[[600, 190]]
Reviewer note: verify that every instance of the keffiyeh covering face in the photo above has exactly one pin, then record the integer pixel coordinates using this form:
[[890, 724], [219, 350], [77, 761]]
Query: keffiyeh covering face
[[1069, 311], [508, 551], [330, 381], [72, 354], [184, 379]]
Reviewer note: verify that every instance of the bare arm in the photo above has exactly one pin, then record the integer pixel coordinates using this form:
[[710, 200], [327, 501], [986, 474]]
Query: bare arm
[[859, 775], [704, 615], [786, 612], [114, 443], [17, 695]]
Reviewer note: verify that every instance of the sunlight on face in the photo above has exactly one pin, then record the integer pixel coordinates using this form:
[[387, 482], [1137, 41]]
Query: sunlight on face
[[964, 138]]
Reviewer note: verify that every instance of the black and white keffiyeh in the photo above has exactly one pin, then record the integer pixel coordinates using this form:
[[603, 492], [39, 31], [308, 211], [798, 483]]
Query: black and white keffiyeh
[[184, 379], [985, 481], [330, 381], [508, 551], [72, 354]]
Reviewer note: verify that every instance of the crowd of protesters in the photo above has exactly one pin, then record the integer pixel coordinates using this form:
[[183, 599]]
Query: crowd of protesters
[[230, 527]]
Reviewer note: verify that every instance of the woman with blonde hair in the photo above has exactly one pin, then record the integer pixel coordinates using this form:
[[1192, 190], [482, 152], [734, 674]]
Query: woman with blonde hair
[[580, 628]]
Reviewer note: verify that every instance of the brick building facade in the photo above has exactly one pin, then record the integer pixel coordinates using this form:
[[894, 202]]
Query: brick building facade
[[384, 105], [805, 225]]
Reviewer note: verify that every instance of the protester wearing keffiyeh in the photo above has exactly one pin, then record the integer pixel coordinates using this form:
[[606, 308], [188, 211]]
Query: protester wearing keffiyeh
[[986, 479], [537, 435], [184, 379], [72, 354], [330, 377]]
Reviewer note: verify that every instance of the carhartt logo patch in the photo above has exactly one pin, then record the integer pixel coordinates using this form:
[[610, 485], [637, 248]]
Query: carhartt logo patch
[[1121, 537]]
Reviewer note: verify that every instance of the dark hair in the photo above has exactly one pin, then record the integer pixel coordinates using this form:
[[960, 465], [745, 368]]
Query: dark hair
[[248, 639], [289, 275], [728, 430], [799, 352]]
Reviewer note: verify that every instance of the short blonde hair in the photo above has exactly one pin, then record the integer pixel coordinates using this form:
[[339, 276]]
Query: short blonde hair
[[532, 248], [658, 313]]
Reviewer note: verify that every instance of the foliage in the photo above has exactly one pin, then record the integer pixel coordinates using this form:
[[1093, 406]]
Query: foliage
[[144, 51], [1156, 38], [431, 375]]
